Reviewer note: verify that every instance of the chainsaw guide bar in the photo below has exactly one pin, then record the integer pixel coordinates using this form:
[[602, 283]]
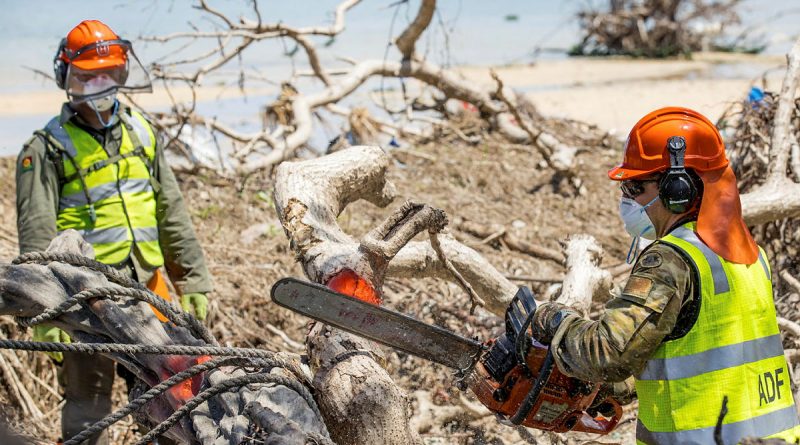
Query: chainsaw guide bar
[[377, 323]]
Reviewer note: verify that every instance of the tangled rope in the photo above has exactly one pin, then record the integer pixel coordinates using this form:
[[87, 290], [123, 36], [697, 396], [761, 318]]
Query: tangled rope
[[130, 288], [261, 361]]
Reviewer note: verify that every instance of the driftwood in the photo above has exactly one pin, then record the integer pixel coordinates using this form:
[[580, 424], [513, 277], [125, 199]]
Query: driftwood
[[656, 28]]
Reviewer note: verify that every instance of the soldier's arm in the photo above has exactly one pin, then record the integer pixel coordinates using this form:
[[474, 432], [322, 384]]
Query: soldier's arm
[[634, 324], [37, 197], [183, 256]]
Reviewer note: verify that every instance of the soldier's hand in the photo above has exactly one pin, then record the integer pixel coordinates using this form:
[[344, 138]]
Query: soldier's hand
[[195, 303], [546, 319]]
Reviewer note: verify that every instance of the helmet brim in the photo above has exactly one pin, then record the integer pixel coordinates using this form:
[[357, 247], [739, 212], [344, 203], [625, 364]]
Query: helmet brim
[[622, 173]]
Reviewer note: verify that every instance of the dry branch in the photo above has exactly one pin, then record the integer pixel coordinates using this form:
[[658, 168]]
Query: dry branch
[[405, 43], [558, 156], [281, 139]]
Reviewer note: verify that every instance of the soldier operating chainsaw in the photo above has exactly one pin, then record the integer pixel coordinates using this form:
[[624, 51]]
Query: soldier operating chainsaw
[[99, 168], [694, 327], [695, 323]]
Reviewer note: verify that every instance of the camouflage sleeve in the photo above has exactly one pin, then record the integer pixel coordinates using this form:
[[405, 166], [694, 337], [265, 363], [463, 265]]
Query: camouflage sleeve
[[634, 324], [37, 197], [183, 256]]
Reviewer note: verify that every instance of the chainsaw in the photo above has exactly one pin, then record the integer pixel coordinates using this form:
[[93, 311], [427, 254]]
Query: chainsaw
[[513, 375]]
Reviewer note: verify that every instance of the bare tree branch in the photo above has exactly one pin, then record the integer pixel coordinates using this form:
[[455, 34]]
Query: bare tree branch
[[405, 43]]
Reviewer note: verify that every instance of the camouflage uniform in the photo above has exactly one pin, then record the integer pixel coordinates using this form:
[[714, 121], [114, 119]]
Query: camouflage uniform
[[657, 303]]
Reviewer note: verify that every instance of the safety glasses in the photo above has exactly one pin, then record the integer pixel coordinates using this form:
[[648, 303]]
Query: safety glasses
[[632, 188]]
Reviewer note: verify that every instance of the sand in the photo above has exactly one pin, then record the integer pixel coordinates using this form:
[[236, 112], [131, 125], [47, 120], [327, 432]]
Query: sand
[[610, 93], [614, 93]]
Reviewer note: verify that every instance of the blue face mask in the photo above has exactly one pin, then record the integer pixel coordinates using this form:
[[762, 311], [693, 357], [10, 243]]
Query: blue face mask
[[637, 223]]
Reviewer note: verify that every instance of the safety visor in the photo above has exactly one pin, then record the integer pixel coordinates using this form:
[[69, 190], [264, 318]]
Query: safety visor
[[104, 68]]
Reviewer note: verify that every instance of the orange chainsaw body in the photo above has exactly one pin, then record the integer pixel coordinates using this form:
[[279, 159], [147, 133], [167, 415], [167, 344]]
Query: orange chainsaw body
[[561, 402]]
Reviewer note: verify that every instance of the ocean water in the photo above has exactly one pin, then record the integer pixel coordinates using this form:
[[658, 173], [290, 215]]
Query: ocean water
[[464, 32]]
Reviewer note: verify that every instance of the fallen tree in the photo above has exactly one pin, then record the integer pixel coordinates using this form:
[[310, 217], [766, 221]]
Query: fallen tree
[[360, 399]]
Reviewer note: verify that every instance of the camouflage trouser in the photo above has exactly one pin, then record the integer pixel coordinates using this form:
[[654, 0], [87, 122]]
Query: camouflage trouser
[[87, 381]]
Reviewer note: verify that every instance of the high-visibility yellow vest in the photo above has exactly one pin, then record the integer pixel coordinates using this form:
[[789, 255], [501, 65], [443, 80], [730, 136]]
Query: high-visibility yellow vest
[[734, 349], [109, 200]]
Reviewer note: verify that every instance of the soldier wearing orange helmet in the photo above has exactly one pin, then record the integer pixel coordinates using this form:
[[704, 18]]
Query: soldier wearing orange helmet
[[695, 325], [99, 168]]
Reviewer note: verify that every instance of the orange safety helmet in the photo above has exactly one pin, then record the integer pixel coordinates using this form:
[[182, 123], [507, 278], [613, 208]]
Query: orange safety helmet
[[719, 222], [646, 147], [91, 45]]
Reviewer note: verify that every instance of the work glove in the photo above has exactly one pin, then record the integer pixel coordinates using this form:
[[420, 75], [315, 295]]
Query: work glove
[[195, 303], [43, 332], [623, 392], [547, 318]]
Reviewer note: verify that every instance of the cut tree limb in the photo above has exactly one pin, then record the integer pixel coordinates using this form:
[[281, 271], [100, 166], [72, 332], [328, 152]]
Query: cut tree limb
[[361, 403]]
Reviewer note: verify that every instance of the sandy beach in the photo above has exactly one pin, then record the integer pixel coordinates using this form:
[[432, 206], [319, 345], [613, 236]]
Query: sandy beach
[[614, 93], [610, 93]]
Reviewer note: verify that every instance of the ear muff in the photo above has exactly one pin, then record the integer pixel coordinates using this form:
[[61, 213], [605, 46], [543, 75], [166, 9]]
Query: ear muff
[[676, 189], [59, 66]]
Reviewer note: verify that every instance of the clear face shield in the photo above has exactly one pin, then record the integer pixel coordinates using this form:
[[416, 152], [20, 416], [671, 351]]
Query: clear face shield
[[98, 71]]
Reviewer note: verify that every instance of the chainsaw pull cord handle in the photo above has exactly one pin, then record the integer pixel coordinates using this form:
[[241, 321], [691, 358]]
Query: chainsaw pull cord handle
[[533, 395]]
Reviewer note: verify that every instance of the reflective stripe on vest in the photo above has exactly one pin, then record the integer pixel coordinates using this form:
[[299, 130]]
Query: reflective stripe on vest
[[104, 191], [780, 420], [733, 350], [117, 210]]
